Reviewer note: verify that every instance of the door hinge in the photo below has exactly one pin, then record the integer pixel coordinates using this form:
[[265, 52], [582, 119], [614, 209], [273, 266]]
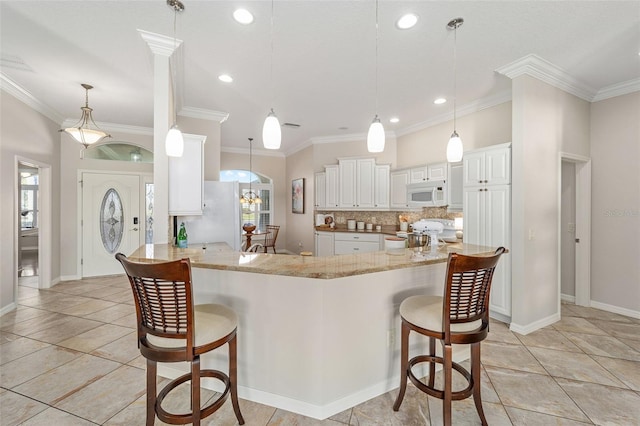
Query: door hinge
[[577, 240], [82, 261]]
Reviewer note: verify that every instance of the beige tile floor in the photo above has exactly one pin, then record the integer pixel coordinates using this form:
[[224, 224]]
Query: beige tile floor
[[68, 357]]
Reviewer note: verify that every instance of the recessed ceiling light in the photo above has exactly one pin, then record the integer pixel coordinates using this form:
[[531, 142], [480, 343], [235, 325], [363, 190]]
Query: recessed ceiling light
[[243, 16], [439, 101], [225, 78], [407, 21], [394, 119]]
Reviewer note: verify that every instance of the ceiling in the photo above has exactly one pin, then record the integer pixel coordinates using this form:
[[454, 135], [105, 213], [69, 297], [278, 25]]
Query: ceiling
[[324, 58]]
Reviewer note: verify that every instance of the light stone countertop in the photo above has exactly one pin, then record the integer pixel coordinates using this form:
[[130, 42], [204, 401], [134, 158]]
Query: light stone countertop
[[220, 256]]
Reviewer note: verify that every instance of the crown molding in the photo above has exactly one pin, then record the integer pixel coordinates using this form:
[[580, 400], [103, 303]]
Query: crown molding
[[352, 137], [470, 108], [260, 152], [297, 148], [204, 114], [618, 89], [544, 70], [14, 89], [160, 44]]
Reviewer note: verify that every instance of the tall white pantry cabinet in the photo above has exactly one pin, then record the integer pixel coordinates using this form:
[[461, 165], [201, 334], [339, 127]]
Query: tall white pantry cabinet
[[487, 214]]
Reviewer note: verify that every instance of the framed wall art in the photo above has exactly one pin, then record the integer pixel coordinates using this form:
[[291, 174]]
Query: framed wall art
[[297, 196]]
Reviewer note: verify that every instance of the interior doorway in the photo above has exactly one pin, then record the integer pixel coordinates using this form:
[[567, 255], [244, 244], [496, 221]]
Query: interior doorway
[[575, 230], [32, 244]]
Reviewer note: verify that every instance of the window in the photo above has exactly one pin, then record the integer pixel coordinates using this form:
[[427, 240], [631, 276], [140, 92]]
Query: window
[[28, 200], [261, 214]]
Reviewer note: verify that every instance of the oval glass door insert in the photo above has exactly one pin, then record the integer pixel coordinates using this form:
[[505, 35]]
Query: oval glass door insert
[[111, 221]]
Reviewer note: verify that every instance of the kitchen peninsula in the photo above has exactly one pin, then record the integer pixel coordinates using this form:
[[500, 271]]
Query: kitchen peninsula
[[316, 335]]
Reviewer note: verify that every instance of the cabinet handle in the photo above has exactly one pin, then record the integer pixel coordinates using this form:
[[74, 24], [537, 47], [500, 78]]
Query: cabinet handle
[[480, 189], [485, 181], [480, 181]]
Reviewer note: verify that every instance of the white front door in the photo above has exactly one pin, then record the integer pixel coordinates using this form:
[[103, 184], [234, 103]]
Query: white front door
[[111, 221]]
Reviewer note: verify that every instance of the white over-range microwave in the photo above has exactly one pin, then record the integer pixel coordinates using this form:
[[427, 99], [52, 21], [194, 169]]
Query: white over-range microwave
[[432, 193]]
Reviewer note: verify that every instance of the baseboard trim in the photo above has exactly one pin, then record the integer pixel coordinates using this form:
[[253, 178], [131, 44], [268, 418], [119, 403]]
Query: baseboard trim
[[500, 317], [319, 412], [10, 307], [615, 309], [69, 278], [536, 325], [568, 298]]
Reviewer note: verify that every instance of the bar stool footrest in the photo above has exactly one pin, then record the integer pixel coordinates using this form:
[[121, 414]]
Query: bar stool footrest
[[433, 391], [180, 419]]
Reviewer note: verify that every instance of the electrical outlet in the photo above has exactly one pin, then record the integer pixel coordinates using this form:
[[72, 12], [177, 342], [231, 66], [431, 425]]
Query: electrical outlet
[[391, 337], [373, 219]]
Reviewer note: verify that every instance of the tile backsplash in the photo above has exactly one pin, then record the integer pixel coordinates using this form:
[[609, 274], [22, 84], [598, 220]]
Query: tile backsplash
[[390, 218]]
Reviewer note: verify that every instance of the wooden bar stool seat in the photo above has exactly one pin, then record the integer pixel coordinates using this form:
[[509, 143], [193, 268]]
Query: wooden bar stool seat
[[172, 329], [461, 316]]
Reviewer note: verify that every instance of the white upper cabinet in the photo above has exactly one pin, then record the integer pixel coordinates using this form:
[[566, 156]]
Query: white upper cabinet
[[435, 171], [331, 186], [357, 183], [398, 183], [320, 190], [381, 186], [488, 166], [454, 193], [186, 178]]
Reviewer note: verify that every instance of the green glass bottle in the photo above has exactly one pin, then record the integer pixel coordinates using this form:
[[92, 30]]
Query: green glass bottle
[[182, 236]]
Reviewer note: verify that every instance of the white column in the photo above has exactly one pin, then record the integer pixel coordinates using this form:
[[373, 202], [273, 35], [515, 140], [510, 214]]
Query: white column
[[162, 48]]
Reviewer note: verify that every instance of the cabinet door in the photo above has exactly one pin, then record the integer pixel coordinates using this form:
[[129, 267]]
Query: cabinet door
[[324, 244], [473, 171], [347, 182], [320, 190], [418, 174], [437, 171], [398, 183], [354, 247], [474, 215], [186, 178], [498, 233], [381, 186], [497, 166], [454, 194], [365, 181], [331, 186]]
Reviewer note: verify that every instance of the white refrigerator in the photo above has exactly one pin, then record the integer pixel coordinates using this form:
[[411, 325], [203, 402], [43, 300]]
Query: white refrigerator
[[220, 220]]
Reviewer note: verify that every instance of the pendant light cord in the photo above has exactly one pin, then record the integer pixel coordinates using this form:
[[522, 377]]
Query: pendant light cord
[[376, 58], [455, 73], [173, 74], [271, 65]]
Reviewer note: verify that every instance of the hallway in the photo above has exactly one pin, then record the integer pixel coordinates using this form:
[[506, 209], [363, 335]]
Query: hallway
[[68, 357]]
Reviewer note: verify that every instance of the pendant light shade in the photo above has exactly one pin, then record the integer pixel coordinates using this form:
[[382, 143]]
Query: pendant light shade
[[86, 131], [454, 148], [174, 143], [271, 133], [375, 137]]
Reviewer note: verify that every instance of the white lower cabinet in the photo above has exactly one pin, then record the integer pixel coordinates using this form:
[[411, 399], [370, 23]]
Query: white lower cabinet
[[324, 244], [351, 242]]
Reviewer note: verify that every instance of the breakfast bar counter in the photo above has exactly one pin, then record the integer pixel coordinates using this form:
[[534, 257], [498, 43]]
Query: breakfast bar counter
[[316, 335], [220, 256]]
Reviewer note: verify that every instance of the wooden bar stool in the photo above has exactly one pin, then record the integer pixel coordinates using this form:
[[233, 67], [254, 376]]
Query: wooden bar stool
[[460, 317], [172, 329]]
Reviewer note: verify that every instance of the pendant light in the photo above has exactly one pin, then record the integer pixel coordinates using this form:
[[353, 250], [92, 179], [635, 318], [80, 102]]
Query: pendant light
[[250, 197], [86, 131], [174, 142], [454, 147], [375, 136], [271, 133]]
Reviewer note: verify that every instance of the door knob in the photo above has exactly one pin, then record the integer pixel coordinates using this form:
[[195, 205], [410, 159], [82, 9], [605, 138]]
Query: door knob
[[134, 229]]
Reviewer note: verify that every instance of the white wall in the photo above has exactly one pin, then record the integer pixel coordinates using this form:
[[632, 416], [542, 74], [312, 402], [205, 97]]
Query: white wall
[[300, 235], [490, 126], [615, 213], [568, 235], [31, 135], [546, 121]]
